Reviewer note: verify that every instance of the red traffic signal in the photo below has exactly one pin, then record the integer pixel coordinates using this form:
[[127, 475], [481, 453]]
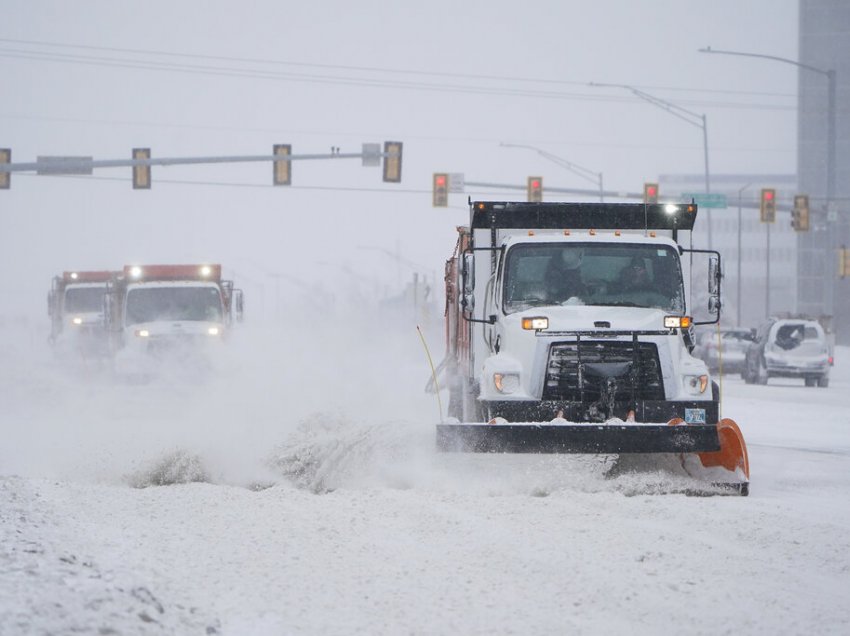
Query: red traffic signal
[[650, 193], [535, 189], [767, 207], [440, 190]]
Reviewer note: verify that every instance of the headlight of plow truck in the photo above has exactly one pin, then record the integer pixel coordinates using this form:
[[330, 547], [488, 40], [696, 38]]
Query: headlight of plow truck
[[506, 382]]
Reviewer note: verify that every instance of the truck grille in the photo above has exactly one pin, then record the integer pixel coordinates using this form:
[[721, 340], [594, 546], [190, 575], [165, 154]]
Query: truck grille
[[598, 361]]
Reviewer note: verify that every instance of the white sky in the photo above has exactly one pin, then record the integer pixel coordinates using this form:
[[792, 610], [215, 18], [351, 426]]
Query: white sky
[[459, 49]]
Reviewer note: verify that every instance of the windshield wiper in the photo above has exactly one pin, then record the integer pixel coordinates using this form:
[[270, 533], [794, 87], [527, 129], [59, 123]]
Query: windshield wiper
[[617, 303]]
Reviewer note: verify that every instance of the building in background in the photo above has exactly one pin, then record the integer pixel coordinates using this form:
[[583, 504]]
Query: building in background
[[825, 46]]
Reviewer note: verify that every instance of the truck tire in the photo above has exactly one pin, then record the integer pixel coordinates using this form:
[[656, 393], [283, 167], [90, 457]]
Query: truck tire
[[823, 381]]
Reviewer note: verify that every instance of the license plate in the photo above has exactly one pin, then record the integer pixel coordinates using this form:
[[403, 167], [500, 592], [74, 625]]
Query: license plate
[[695, 416]]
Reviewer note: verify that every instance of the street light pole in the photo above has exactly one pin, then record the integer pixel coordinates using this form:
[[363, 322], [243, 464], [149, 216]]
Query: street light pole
[[767, 272], [695, 119], [738, 296], [584, 173]]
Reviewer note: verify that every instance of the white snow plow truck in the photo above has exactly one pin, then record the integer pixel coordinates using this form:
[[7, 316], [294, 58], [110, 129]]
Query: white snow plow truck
[[168, 312], [75, 307], [568, 331]]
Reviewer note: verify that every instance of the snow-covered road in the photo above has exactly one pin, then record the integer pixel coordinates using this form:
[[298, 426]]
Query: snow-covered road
[[329, 512]]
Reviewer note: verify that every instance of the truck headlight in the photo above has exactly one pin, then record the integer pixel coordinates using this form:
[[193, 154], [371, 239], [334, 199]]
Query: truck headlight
[[506, 382], [677, 322], [77, 320], [695, 384], [143, 333], [537, 323], [213, 331]]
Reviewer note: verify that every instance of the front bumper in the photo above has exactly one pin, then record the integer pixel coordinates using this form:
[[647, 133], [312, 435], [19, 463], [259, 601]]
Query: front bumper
[[796, 369], [577, 438], [656, 411]]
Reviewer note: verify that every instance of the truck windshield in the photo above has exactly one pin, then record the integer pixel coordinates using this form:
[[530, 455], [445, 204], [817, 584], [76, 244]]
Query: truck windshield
[[629, 275], [148, 304], [83, 300]]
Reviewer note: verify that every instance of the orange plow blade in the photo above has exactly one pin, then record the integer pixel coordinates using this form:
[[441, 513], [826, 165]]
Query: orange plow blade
[[731, 458], [733, 449]]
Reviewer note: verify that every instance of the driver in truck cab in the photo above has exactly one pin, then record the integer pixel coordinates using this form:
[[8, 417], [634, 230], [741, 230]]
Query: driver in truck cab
[[563, 275], [634, 276]]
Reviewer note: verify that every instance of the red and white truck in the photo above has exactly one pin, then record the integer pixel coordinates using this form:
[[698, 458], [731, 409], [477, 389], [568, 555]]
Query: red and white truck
[[75, 305], [154, 312]]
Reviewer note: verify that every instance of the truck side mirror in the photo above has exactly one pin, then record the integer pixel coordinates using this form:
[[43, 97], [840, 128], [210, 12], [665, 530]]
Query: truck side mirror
[[107, 309], [468, 279], [714, 305], [239, 304], [713, 275]]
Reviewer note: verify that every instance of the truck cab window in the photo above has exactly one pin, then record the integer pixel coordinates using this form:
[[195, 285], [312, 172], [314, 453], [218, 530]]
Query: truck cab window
[[588, 274]]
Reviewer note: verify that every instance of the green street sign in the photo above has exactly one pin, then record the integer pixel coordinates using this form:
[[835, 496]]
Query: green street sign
[[705, 199]]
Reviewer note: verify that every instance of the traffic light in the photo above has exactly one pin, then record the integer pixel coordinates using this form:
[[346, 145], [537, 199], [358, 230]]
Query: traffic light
[[650, 193], [392, 165], [441, 190], [843, 262], [142, 173], [282, 169], [5, 177], [800, 220], [768, 205], [535, 189]]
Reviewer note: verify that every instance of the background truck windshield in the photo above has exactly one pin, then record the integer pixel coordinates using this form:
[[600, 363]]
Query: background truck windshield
[[147, 304], [629, 275], [82, 300]]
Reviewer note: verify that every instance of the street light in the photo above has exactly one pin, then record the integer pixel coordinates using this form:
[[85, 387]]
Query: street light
[[830, 123], [584, 173], [694, 119]]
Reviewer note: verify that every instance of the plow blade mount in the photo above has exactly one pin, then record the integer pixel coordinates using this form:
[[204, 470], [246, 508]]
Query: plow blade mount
[[578, 438]]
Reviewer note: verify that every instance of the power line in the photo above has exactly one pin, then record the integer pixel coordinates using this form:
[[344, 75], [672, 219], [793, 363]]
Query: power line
[[366, 135], [368, 82], [374, 69]]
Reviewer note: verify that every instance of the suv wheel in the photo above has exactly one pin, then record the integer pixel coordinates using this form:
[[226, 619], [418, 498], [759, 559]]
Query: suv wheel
[[823, 381], [811, 380]]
